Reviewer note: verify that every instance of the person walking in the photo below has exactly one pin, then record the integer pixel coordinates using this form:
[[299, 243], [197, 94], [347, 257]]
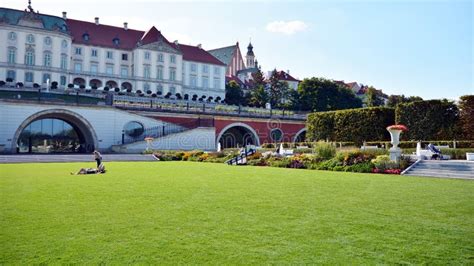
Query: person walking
[[97, 158]]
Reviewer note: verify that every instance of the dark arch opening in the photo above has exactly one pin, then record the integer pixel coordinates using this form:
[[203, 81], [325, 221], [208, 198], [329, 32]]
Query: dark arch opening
[[301, 137], [237, 136], [55, 131]]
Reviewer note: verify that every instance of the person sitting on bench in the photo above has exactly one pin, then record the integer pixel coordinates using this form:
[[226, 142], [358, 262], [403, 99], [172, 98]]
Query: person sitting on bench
[[436, 152]]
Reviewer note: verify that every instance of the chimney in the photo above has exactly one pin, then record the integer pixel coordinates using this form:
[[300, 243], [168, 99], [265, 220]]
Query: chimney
[[199, 46], [288, 71], [64, 15], [176, 42], [96, 20], [125, 25]]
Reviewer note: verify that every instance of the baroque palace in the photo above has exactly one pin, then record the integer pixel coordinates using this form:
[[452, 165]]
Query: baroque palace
[[43, 49]]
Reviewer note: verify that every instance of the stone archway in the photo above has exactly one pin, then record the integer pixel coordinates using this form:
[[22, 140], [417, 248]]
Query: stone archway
[[238, 134], [111, 84], [95, 83], [79, 81], [126, 85], [76, 120], [300, 136]]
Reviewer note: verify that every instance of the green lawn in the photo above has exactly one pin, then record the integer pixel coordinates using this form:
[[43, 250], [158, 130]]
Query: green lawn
[[185, 212]]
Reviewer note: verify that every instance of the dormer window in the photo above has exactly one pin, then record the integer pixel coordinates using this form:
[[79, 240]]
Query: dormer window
[[85, 37], [116, 41], [30, 38]]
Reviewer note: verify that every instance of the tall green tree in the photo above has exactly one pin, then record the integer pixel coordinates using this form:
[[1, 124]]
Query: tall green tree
[[394, 100], [233, 93], [374, 97], [466, 108], [319, 94], [259, 96], [278, 91]]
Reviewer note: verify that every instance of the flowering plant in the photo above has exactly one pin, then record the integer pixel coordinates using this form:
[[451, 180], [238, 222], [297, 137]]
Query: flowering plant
[[398, 127]]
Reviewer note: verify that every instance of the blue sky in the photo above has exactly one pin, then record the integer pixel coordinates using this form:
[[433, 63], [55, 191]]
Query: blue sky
[[422, 48]]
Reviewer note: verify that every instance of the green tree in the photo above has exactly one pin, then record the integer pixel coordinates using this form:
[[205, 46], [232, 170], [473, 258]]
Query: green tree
[[259, 96], [394, 100], [374, 97], [466, 108], [233, 93], [278, 91], [319, 94]]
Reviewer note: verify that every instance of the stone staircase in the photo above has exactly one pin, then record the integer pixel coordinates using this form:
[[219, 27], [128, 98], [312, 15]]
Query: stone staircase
[[444, 169]]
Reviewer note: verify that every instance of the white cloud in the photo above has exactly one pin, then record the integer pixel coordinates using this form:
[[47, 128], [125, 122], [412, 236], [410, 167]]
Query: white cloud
[[286, 27]]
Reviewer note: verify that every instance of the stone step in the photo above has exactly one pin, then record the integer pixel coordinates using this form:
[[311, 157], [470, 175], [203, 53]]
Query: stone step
[[468, 177], [446, 169]]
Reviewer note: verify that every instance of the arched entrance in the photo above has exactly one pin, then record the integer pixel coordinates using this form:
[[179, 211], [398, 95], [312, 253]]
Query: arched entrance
[[126, 85], [79, 81], [300, 136], [95, 83], [55, 131], [237, 135], [111, 84]]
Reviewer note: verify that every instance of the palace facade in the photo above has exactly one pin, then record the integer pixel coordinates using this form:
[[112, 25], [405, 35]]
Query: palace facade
[[44, 50]]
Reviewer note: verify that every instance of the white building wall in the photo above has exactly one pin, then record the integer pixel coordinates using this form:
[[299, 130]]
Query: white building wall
[[107, 123]]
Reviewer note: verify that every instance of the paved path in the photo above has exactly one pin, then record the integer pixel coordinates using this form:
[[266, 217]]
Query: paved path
[[49, 158], [444, 169]]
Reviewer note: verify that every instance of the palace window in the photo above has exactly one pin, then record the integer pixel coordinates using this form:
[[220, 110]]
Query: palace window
[[47, 40], [160, 58], [78, 50], [146, 72], [205, 69], [159, 72], [78, 67], [172, 90], [64, 44], [124, 71], [110, 55], [62, 80], [30, 38], [116, 41], [147, 55], [217, 71], [29, 77], [172, 73], [47, 59], [217, 83], [109, 69], [11, 74], [193, 81], [205, 82], [193, 67], [12, 36], [94, 52], [11, 55], [125, 57], [30, 57], [46, 77], [63, 61], [172, 58], [146, 87], [94, 68]]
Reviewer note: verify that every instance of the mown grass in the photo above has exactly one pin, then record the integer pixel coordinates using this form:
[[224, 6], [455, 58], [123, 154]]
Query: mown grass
[[184, 212]]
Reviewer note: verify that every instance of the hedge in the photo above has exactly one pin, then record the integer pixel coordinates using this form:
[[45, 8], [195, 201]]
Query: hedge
[[354, 125], [433, 119]]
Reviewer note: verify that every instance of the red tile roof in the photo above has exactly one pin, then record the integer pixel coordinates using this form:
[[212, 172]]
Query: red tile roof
[[103, 35], [351, 84], [282, 75], [196, 54], [233, 78]]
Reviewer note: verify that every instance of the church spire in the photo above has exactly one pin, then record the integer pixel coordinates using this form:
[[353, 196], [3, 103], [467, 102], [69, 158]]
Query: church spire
[[250, 56]]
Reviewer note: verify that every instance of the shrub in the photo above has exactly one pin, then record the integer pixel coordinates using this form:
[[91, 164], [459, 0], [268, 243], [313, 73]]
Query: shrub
[[433, 119], [70, 85], [153, 95], [325, 150], [54, 85], [138, 92], [383, 162], [129, 90], [148, 92], [20, 84], [106, 88], [9, 79], [2, 83], [366, 167], [36, 85], [117, 89], [82, 86], [354, 125]]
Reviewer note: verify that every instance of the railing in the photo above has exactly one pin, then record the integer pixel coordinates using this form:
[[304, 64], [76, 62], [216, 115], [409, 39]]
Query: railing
[[240, 157], [167, 129], [197, 107]]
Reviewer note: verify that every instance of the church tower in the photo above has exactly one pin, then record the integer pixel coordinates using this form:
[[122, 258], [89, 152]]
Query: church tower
[[250, 57]]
